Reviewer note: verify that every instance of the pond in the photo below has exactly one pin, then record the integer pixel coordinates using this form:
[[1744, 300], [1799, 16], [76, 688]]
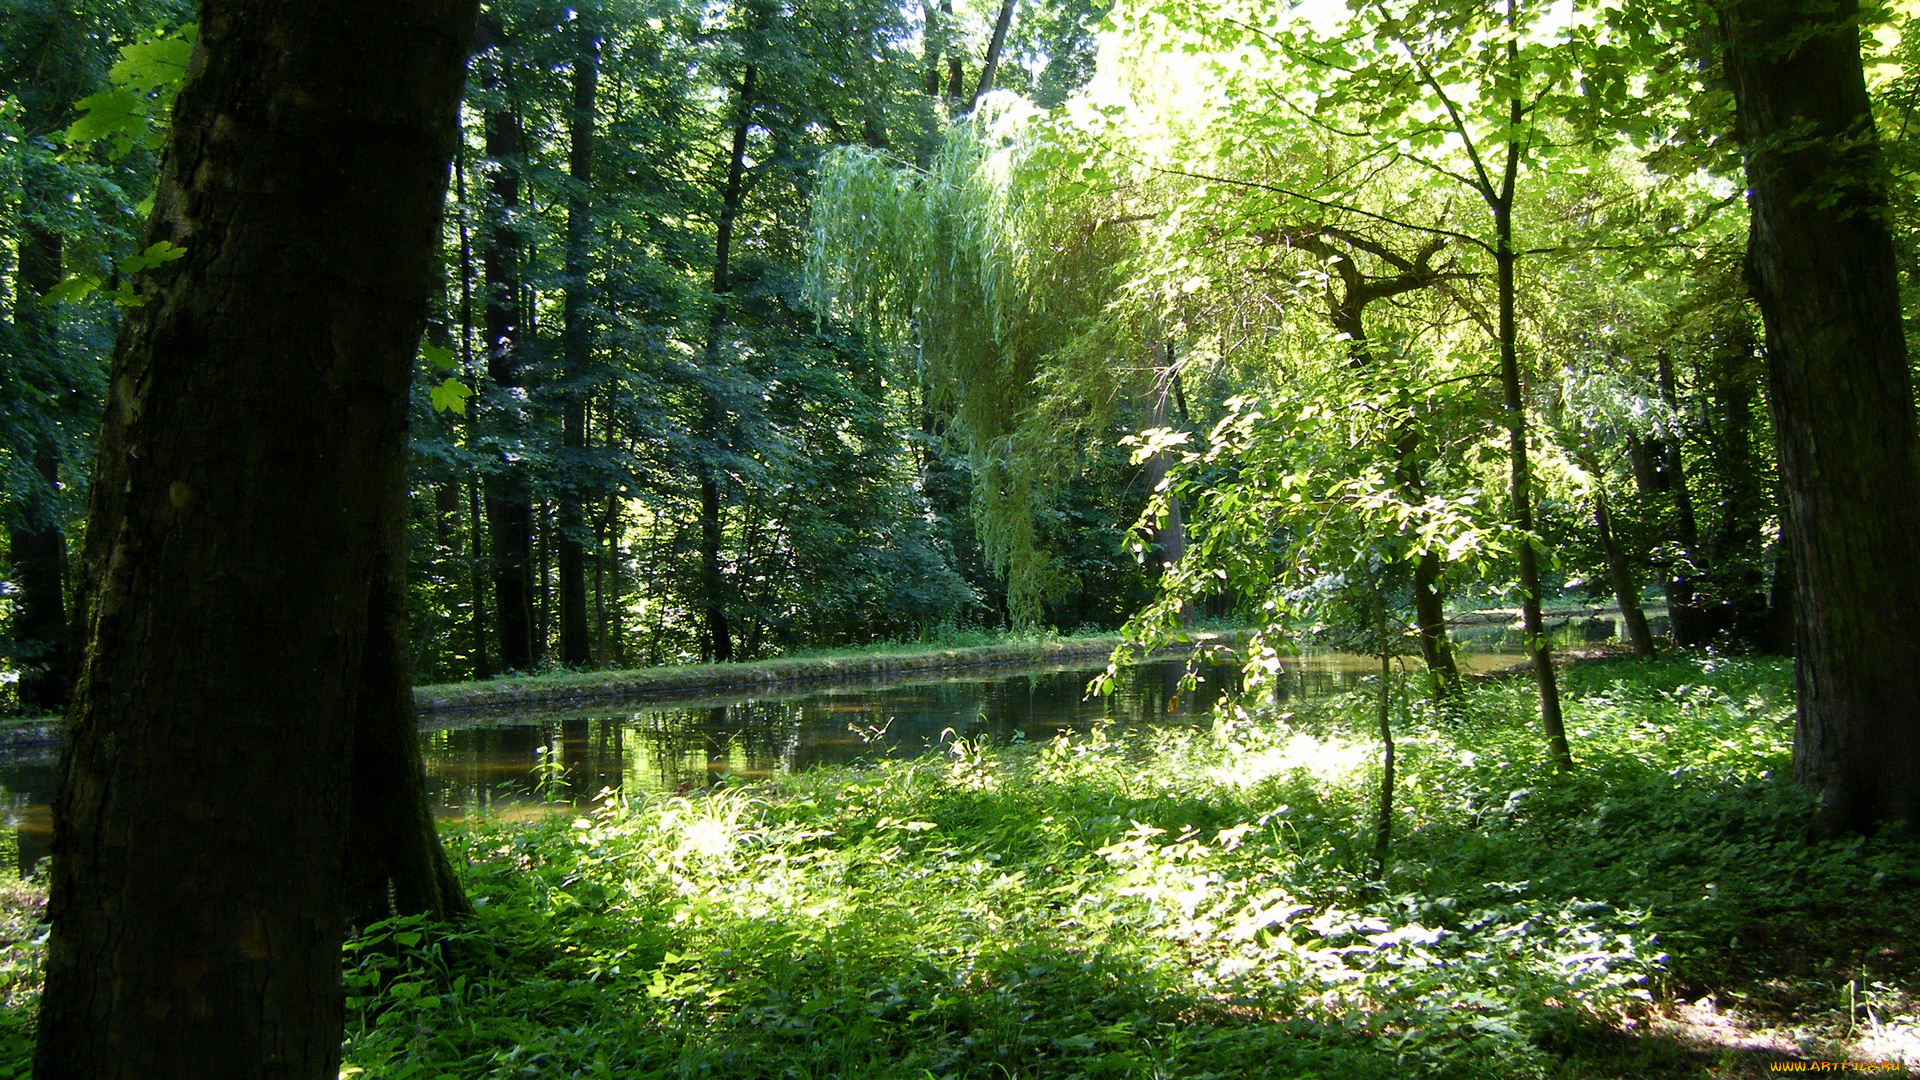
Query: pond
[[524, 763]]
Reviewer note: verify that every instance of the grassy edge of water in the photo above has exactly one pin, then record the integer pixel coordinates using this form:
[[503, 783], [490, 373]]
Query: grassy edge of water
[[1075, 910], [687, 679], [1071, 909]]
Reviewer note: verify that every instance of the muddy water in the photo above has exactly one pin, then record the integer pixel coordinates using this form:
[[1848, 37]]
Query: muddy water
[[527, 763]]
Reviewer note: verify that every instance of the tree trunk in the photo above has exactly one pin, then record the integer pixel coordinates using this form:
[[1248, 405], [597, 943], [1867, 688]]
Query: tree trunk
[[719, 636], [1690, 629], [1620, 575], [576, 647], [37, 545], [994, 47], [1346, 310], [242, 552], [509, 504], [1842, 400], [36, 533], [1520, 483]]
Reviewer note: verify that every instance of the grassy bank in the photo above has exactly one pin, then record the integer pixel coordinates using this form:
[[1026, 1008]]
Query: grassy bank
[[1191, 904], [798, 669], [1086, 910]]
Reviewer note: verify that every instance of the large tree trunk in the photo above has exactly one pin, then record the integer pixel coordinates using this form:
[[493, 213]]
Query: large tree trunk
[[1842, 402], [241, 551], [509, 503], [576, 647]]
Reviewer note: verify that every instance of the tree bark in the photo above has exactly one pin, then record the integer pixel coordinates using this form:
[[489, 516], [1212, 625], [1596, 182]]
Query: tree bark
[[241, 555], [509, 503], [1842, 398], [576, 647]]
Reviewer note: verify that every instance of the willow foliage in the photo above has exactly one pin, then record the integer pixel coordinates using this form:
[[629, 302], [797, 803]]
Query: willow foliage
[[1002, 275]]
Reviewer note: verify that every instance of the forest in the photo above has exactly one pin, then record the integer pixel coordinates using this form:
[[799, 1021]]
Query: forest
[[1538, 373]]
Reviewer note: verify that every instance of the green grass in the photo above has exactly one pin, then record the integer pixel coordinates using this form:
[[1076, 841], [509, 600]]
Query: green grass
[[1186, 904], [1189, 904]]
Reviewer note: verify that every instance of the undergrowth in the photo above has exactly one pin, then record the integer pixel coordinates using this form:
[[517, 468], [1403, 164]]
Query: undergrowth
[[1185, 903]]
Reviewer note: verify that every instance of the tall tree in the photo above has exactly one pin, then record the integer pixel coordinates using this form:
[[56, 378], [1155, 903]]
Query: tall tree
[[56, 69], [1842, 396], [577, 340], [242, 548], [509, 500]]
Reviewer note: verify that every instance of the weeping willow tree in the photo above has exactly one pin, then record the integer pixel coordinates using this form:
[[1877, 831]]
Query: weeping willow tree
[[1002, 275]]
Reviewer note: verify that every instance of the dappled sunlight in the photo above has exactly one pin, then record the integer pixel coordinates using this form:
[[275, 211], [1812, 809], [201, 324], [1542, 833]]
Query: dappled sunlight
[[1325, 758]]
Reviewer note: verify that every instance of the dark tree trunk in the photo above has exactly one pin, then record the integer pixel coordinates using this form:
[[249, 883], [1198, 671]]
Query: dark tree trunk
[[509, 503], [476, 538], [37, 544], [242, 554], [36, 533], [717, 631], [1842, 397], [576, 647], [1626, 592], [992, 65], [1689, 623]]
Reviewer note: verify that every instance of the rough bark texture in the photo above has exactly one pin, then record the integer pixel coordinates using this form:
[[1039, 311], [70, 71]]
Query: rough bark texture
[[509, 506], [1824, 274], [240, 548], [576, 646]]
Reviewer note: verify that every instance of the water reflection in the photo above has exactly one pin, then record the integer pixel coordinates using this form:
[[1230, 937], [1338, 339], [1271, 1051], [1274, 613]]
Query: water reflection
[[503, 764], [526, 764]]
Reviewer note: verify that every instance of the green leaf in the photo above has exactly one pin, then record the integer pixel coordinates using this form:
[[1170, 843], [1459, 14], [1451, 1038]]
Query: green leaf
[[451, 396], [438, 358], [155, 255], [71, 291]]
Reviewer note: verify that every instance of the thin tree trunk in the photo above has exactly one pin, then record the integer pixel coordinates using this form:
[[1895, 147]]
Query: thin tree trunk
[[509, 506], [1620, 575], [1383, 824], [1346, 310], [243, 560], [1520, 482], [476, 538], [575, 642], [1842, 396], [1683, 608], [36, 536]]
